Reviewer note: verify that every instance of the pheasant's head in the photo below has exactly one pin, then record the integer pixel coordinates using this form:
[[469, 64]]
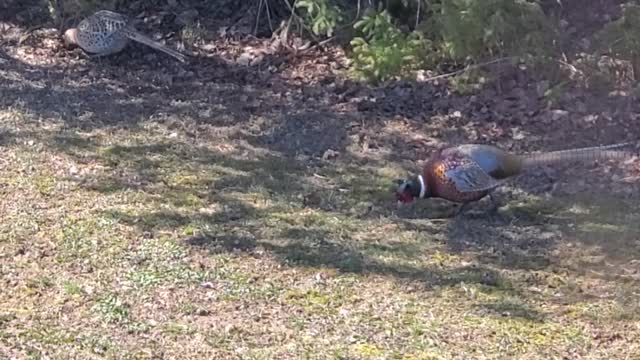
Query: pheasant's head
[[409, 189], [71, 36]]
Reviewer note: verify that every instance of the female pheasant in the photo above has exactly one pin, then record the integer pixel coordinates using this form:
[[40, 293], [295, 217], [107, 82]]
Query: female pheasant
[[467, 173], [107, 32]]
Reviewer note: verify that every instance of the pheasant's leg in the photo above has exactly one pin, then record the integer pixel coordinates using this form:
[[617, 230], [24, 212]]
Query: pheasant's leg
[[99, 57], [460, 209], [494, 202], [94, 57]]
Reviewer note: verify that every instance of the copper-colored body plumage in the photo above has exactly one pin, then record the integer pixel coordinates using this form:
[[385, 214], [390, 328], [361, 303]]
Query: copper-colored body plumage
[[470, 172], [107, 32]]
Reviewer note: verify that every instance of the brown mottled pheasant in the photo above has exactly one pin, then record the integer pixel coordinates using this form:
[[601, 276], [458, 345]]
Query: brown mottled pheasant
[[107, 32], [467, 173]]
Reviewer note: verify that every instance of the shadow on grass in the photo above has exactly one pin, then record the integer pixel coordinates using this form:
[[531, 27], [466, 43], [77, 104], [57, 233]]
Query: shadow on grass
[[535, 232], [191, 179], [205, 98], [562, 229], [225, 216], [512, 309], [313, 248]]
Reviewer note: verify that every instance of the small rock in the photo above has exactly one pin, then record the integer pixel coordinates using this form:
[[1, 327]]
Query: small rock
[[517, 134], [320, 277], [330, 154], [207, 285], [547, 235], [256, 60], [229, 328], [244, 59], [202, 312], [558, 114]]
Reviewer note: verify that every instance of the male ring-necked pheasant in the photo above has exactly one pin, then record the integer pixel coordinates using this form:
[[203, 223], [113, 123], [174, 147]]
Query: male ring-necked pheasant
[[107, 32], [467, 173]]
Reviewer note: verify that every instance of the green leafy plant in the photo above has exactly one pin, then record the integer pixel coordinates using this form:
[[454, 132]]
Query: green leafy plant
[[112, 309], [384, 52], [321, 14]]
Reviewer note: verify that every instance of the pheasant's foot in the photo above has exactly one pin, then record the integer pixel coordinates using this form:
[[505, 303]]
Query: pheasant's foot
[[95, 57], [460, 209], [495, 205], [480, 211]]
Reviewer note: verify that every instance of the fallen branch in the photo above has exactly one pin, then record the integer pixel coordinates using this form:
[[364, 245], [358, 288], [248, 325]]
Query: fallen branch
[[467, 68]]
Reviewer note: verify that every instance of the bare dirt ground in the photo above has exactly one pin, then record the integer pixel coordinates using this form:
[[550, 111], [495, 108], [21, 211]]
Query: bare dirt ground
[[157, 210]]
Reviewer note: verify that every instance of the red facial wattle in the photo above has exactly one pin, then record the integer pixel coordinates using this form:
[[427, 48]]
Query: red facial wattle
[[404, 197]]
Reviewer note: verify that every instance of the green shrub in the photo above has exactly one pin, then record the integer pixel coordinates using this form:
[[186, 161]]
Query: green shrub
[[384, 52], [321, 15], [471, 29]]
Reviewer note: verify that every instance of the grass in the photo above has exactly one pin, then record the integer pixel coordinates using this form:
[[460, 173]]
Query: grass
[[145, 252], [144, 240]]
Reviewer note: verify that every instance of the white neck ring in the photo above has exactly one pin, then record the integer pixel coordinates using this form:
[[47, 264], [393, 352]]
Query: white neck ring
[[423, 188]]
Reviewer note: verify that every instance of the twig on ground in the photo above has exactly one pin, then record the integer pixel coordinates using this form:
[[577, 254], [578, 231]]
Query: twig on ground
[[27, 33], [467, 68]]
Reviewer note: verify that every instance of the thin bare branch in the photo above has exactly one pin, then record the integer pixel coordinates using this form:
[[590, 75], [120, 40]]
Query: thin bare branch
[[469, 67]]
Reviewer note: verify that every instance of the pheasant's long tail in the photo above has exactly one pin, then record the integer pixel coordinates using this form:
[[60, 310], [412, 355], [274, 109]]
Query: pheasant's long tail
[[582, 154], [136, 36]]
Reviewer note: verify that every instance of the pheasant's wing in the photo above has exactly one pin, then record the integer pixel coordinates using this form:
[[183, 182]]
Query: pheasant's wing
[[117, 24], [470, 177], [103, 23], [112, 16]]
